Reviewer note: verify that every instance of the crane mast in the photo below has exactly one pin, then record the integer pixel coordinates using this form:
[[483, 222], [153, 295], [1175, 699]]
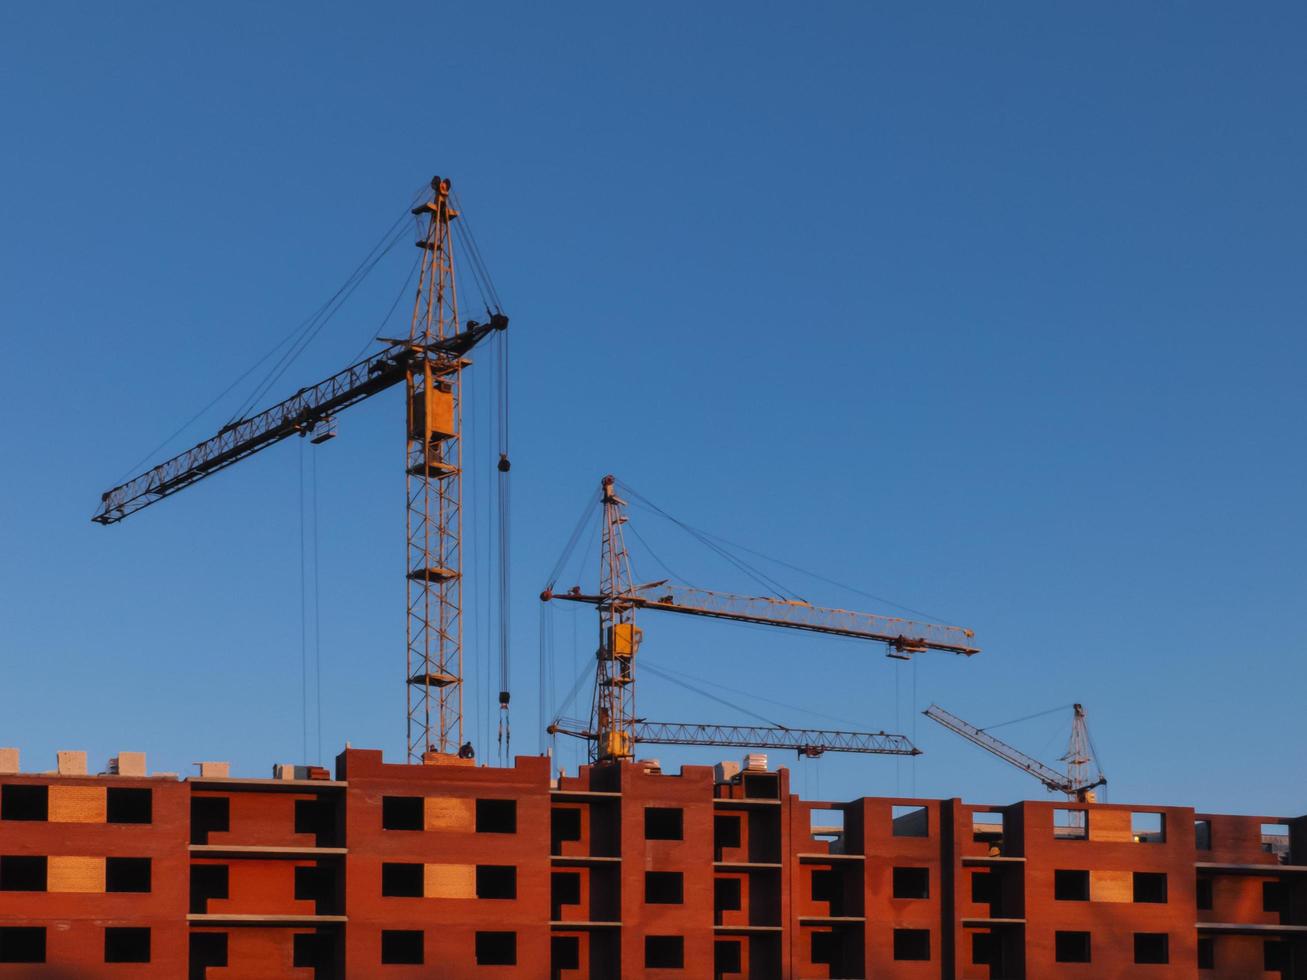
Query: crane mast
[[430, 363]]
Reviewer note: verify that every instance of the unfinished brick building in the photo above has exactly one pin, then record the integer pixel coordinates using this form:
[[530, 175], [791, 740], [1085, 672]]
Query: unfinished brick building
[[455, 870]]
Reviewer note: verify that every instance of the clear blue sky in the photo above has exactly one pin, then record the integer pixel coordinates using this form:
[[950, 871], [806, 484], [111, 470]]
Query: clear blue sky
[[995, 311]]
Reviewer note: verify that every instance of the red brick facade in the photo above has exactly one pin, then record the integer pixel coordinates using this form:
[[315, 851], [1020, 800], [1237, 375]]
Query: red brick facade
[[455, 870]]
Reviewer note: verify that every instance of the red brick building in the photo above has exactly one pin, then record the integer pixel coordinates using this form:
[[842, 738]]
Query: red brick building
[[455, 870]]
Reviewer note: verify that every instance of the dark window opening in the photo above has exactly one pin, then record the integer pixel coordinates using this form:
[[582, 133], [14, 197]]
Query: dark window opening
[[912, 944], [910, 821], [129, 806], [726, 833], [564, 889], [1206, 953], [209, 815], [402, 813], [127, 874], [207, 949], [22, 944], [1150, 886], [564, 953], [664, 952], [826, 885], [207, 881], [664, 887], [497, 817], [662, 823], [727, 894], [826, 947], [1071, 947], [401, 880], [1275, 955], [912, 883], [317, 817], [314, 950], [982, 948], [24, 803], [1203, 835], [22, 874], [1274, 897], [1151, 947], [564, 824], [762, 786], [496, 948], [317, 884], [982, 887], [1071, 886], [124, 945], [496, 881], [401, 946], [1203, 894], [726, 956]]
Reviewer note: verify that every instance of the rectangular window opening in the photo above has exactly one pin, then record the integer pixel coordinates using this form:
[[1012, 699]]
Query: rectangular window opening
[[565, 953], [726, 833], [1206, 953], [22, 944], [496, 948], [1203, 835], [987, 826], [126, 945], [564, 889], [1070, 824], [129, 805], [209, 815], [663, 823], [1151, 947], [1275, 840], [726, 956], [207, 949], [207, 881], [1203, 894], [317, 817], [496, 881], [727, 895], [910, 821], [22, 874], [1150, 887], [126, 874], [1275, 897], [664, 887], [401, 946], [1071, 886], [826, 947], [402, 880], [1148, 828], [24, 803], [402, 813], [982, 887], [1071, 947], [497, 817], [912, 883], [761, 786], [664, 952], [912, 944], [317, 884], [982, 948], [564, 825], [312, 950]]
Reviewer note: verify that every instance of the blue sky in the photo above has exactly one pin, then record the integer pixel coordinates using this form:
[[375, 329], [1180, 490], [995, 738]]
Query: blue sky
[[993, 311]]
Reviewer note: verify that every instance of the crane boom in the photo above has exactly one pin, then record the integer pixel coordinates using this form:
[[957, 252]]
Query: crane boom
[[806, 741], [299, 414], [903, 636], [1053, 780]]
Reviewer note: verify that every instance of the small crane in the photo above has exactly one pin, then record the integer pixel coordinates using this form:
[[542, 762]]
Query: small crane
[[614, 729], [430, 364], [1075, 782]]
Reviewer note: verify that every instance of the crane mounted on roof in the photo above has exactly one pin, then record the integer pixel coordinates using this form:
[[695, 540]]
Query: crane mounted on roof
[[1075, 782], [614, 729]]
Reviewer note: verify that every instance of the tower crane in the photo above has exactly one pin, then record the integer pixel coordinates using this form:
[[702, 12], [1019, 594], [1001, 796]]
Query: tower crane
[[1075, 782], [614, 729], [430, 363]]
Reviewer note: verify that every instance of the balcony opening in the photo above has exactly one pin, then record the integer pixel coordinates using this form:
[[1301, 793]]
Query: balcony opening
[[496, 948], [207, 949], [402, 813], [127, 874], [126, 945], [1148, 828], [564, 825], [1071, 947], [315, 951], [1150, 887], [664, 952], [912, 883], [726, 833], [317, 884], [664, 887], [402, 880], [762, 786], [22, 874], [1071, 886], [22, 944], [828, 886], [129, 805], [209, 815], [207, 881], [726, 957], [564, 889], [1070, 824], [401, 946], [24, 803], [1151, 947], [911, 821], [983, 887], [663, 823], [564, 953], [317, 817], [727, 896], [827, 948], [497, 817], [912, 944], [496, 881], [982, 948]]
